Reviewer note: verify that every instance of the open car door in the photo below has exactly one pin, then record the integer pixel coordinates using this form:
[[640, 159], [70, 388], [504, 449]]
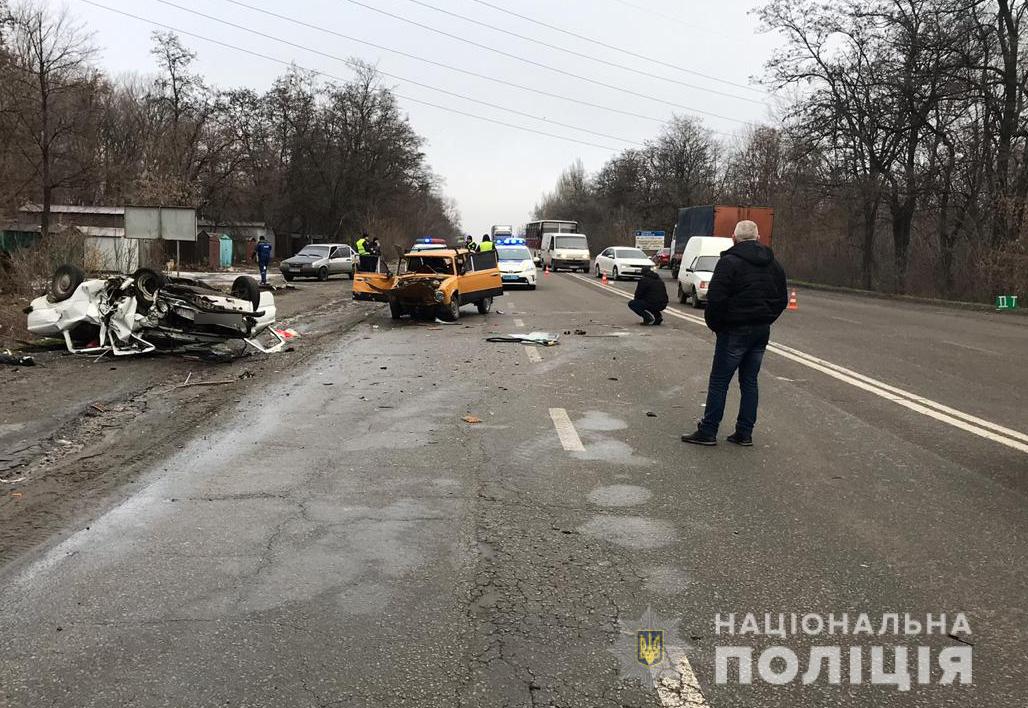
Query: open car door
[[372, 279]]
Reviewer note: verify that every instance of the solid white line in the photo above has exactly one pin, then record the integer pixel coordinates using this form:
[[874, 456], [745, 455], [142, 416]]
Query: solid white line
[[968, 346], [518, 322], [843, 319], [566, 430], [532, 353], [685, 691], [933, 409]]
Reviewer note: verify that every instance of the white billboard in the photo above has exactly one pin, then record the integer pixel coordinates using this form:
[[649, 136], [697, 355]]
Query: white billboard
[[170, 223]]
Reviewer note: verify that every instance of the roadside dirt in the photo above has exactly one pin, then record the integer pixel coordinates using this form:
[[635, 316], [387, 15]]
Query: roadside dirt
[[75, 431]]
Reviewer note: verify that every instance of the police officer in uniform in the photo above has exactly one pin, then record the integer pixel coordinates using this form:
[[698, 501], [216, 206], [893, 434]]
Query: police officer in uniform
[[362, 244], [486, 245], [263, 258]]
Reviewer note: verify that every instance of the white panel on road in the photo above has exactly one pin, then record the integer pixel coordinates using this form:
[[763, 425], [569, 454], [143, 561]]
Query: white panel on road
[[566, 430]]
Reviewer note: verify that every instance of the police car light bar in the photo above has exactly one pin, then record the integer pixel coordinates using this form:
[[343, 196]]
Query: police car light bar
[[511, 242]]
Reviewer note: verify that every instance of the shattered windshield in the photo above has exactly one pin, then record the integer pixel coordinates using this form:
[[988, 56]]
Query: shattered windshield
[[429, 265], [513, 253]]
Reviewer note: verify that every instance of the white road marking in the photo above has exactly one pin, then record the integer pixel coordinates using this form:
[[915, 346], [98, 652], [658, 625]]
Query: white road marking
[[925, 406], [843, 319], [683, 692], [566, 430], [968, 346], [532, 353], [518, 322]]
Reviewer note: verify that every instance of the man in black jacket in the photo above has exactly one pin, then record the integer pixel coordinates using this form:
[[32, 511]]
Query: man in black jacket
[[650, 298], [747, 293]]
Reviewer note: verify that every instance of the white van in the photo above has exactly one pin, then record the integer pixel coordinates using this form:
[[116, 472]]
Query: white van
[[700, 256], [562, 250]]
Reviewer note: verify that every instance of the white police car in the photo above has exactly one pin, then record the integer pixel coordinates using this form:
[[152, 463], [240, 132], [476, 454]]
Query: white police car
[[517, 266]]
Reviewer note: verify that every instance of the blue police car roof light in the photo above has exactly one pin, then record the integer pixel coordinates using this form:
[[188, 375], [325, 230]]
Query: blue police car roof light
[[512, 242]]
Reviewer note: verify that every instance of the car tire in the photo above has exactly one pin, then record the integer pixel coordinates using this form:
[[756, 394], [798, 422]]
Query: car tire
[[288, 277], [484, 305], [245, 288], [147, 283], [65, 281], [598, 273], [322, 273], [395, 310], [614, 273], [682, 297], [451, 312], [696, 300]]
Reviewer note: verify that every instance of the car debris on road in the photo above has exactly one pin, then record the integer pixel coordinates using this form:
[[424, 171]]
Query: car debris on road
[[147, 312]]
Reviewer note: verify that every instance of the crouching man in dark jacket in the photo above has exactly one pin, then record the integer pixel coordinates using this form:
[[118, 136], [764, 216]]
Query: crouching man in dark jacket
[[650, 298], [747, 293]]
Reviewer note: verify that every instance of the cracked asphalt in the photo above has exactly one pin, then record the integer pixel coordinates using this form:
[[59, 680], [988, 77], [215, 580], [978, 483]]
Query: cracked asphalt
[[343, 538]]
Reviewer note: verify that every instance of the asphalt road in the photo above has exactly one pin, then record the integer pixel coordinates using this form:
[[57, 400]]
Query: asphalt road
[[345, 538]]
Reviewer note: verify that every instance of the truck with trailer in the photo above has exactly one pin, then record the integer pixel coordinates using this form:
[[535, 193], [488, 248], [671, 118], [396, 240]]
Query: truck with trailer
[[500, 231], [716, 220]]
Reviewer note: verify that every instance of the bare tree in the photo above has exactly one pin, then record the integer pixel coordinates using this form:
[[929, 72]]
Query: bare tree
[[50, 88]]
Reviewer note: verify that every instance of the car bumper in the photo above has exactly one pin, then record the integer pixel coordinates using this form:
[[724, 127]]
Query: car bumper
[[632, 271], [517, 278], [570, 263]]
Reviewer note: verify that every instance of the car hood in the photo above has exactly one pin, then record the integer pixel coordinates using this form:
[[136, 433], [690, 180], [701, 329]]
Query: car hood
[[304, 259], [516, 266], [634, 261]]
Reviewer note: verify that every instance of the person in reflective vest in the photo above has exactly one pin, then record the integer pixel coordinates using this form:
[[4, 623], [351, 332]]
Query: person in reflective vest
[[486, 245], [362, 244], [263, 258]]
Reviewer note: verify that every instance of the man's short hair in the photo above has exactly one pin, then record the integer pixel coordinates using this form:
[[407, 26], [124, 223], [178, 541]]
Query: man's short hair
[[746, 231]]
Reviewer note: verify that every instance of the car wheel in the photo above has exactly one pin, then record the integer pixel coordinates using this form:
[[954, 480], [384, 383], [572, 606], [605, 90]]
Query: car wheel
[[696, 300], [614, 273], [484, 304], [66, 279], [147, 282], [681, 295], [598, 270], [395, 310], [245, 288], [322, 273], [288, 277], [451, 312]]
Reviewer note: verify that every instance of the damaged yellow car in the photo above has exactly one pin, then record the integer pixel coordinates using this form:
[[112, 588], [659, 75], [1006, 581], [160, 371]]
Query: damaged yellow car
[[433, 283]]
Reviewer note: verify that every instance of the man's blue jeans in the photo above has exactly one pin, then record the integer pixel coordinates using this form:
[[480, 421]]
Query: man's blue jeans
[[742, 349], [263, 267]]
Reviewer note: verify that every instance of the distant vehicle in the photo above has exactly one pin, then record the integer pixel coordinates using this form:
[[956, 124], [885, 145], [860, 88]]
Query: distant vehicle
[[621, 262], [534, 231], [517, 267], [662, 258], [716, 221], [501, 231], [565, 250], [319, 260], [428, 244], [700, 256]]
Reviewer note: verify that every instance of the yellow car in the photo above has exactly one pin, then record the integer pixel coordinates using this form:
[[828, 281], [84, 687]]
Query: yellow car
[[430, 283]]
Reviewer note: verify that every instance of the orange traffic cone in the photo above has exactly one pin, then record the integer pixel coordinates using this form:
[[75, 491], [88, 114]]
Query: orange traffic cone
[[604, 278], [546, 270], [792, 301]]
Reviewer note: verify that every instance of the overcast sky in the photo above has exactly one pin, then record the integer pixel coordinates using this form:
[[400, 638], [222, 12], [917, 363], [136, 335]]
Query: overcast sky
[[495, 173]]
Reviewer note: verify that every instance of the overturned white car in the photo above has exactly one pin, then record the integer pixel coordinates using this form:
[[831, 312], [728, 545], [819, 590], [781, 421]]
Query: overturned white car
[[147, 311]]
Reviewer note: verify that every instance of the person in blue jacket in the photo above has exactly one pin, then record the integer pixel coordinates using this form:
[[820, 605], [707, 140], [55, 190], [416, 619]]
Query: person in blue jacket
[[263, 258]]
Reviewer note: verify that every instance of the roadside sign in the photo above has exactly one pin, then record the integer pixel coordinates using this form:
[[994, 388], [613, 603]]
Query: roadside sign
[[649, 240], [1006, 302], [170, 223]]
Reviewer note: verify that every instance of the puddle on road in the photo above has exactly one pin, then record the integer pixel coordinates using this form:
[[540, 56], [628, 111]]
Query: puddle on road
[[600, 421], [638, 532], [613, 451], [665, 579], [620, 495]]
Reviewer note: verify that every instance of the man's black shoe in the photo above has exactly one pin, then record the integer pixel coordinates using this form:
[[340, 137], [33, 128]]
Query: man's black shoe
[[700, 438], [658, 321], [740, 439]]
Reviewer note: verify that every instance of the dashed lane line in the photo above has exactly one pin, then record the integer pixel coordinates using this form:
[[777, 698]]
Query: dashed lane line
[[566, 430], [933, 409], [518, 322], [532, 353]]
